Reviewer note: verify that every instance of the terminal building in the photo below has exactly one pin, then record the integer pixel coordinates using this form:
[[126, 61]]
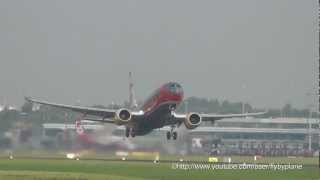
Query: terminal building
[[237, 136], [248, 136]]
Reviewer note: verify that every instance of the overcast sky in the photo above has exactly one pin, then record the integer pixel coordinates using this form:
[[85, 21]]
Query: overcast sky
[[263, 52]]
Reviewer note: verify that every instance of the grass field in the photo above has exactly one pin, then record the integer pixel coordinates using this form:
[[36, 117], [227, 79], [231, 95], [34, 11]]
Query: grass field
[[204, 158], [28, 169]]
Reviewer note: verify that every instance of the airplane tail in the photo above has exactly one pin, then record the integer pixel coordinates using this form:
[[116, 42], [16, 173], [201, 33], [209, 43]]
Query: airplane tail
[[79, 128], [82, 136], [132, 101]]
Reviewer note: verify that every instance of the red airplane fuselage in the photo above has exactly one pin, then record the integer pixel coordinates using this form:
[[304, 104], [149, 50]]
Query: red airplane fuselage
[[158, 107]]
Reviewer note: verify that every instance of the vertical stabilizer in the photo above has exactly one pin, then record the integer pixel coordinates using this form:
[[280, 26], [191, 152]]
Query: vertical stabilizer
[[79, 127], [132, 101]]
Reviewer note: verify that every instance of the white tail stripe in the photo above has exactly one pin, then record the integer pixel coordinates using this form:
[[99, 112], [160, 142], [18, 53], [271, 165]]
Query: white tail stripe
[[79, 128]]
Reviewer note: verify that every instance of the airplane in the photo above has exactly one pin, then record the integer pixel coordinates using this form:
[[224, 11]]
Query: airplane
[[156, 112], [101, 140]]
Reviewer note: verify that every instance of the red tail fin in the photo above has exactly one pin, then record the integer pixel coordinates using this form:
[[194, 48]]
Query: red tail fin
[[81, 133], [79, 127]]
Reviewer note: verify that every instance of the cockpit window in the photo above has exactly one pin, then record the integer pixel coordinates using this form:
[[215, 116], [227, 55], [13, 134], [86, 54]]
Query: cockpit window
[[175, 88]]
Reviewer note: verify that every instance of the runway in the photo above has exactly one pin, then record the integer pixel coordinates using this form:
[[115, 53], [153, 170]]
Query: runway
[[129, 160]]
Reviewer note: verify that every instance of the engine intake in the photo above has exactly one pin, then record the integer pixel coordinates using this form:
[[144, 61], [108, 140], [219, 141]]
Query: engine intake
[[192, 120], [122, 116]]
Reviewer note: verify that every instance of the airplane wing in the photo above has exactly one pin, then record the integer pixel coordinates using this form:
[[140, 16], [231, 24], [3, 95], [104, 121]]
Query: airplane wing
[[214, 117], [105, 113], [98, 120]]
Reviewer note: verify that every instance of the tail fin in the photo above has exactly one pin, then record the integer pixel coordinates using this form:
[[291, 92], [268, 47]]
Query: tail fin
[[85, 138], [79, 128], [132, 101]]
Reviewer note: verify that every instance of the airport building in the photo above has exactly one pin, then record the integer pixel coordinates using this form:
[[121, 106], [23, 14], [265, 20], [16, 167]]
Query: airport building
[[52, 130], [248, 136], [58, 135], [237, 136]]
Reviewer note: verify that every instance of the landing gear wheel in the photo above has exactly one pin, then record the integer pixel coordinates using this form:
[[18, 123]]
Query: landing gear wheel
[[168, 135], [133, 134], [127, 132], [174, 135]]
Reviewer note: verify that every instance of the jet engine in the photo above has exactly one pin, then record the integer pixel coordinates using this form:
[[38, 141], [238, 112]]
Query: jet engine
[[122, 116], [192, 120]]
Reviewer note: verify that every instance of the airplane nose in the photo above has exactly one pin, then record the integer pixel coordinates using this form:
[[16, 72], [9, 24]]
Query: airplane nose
[[175, 89]]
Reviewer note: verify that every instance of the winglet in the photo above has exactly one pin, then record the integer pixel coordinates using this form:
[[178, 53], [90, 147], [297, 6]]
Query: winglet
[[258, 113], [28, 99], [265, 111]]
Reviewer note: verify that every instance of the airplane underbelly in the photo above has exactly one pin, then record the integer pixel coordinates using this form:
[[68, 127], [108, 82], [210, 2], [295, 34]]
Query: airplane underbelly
[[155, 119]]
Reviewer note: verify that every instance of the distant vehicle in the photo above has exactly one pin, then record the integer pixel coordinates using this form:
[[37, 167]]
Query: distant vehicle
[[156, 112]]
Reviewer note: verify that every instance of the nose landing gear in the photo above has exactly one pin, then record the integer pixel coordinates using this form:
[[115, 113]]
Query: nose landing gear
[[172, 134], [130, 132], [168, 135]]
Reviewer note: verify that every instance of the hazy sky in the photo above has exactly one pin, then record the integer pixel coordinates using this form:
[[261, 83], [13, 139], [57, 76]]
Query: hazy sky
[[71, 50]]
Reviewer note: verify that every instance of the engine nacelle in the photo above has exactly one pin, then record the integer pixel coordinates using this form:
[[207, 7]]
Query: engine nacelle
[[192, 120], [122, 116]]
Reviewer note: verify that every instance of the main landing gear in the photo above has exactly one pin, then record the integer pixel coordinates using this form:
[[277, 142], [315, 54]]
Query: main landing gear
[[172, 134], [130, 132]]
